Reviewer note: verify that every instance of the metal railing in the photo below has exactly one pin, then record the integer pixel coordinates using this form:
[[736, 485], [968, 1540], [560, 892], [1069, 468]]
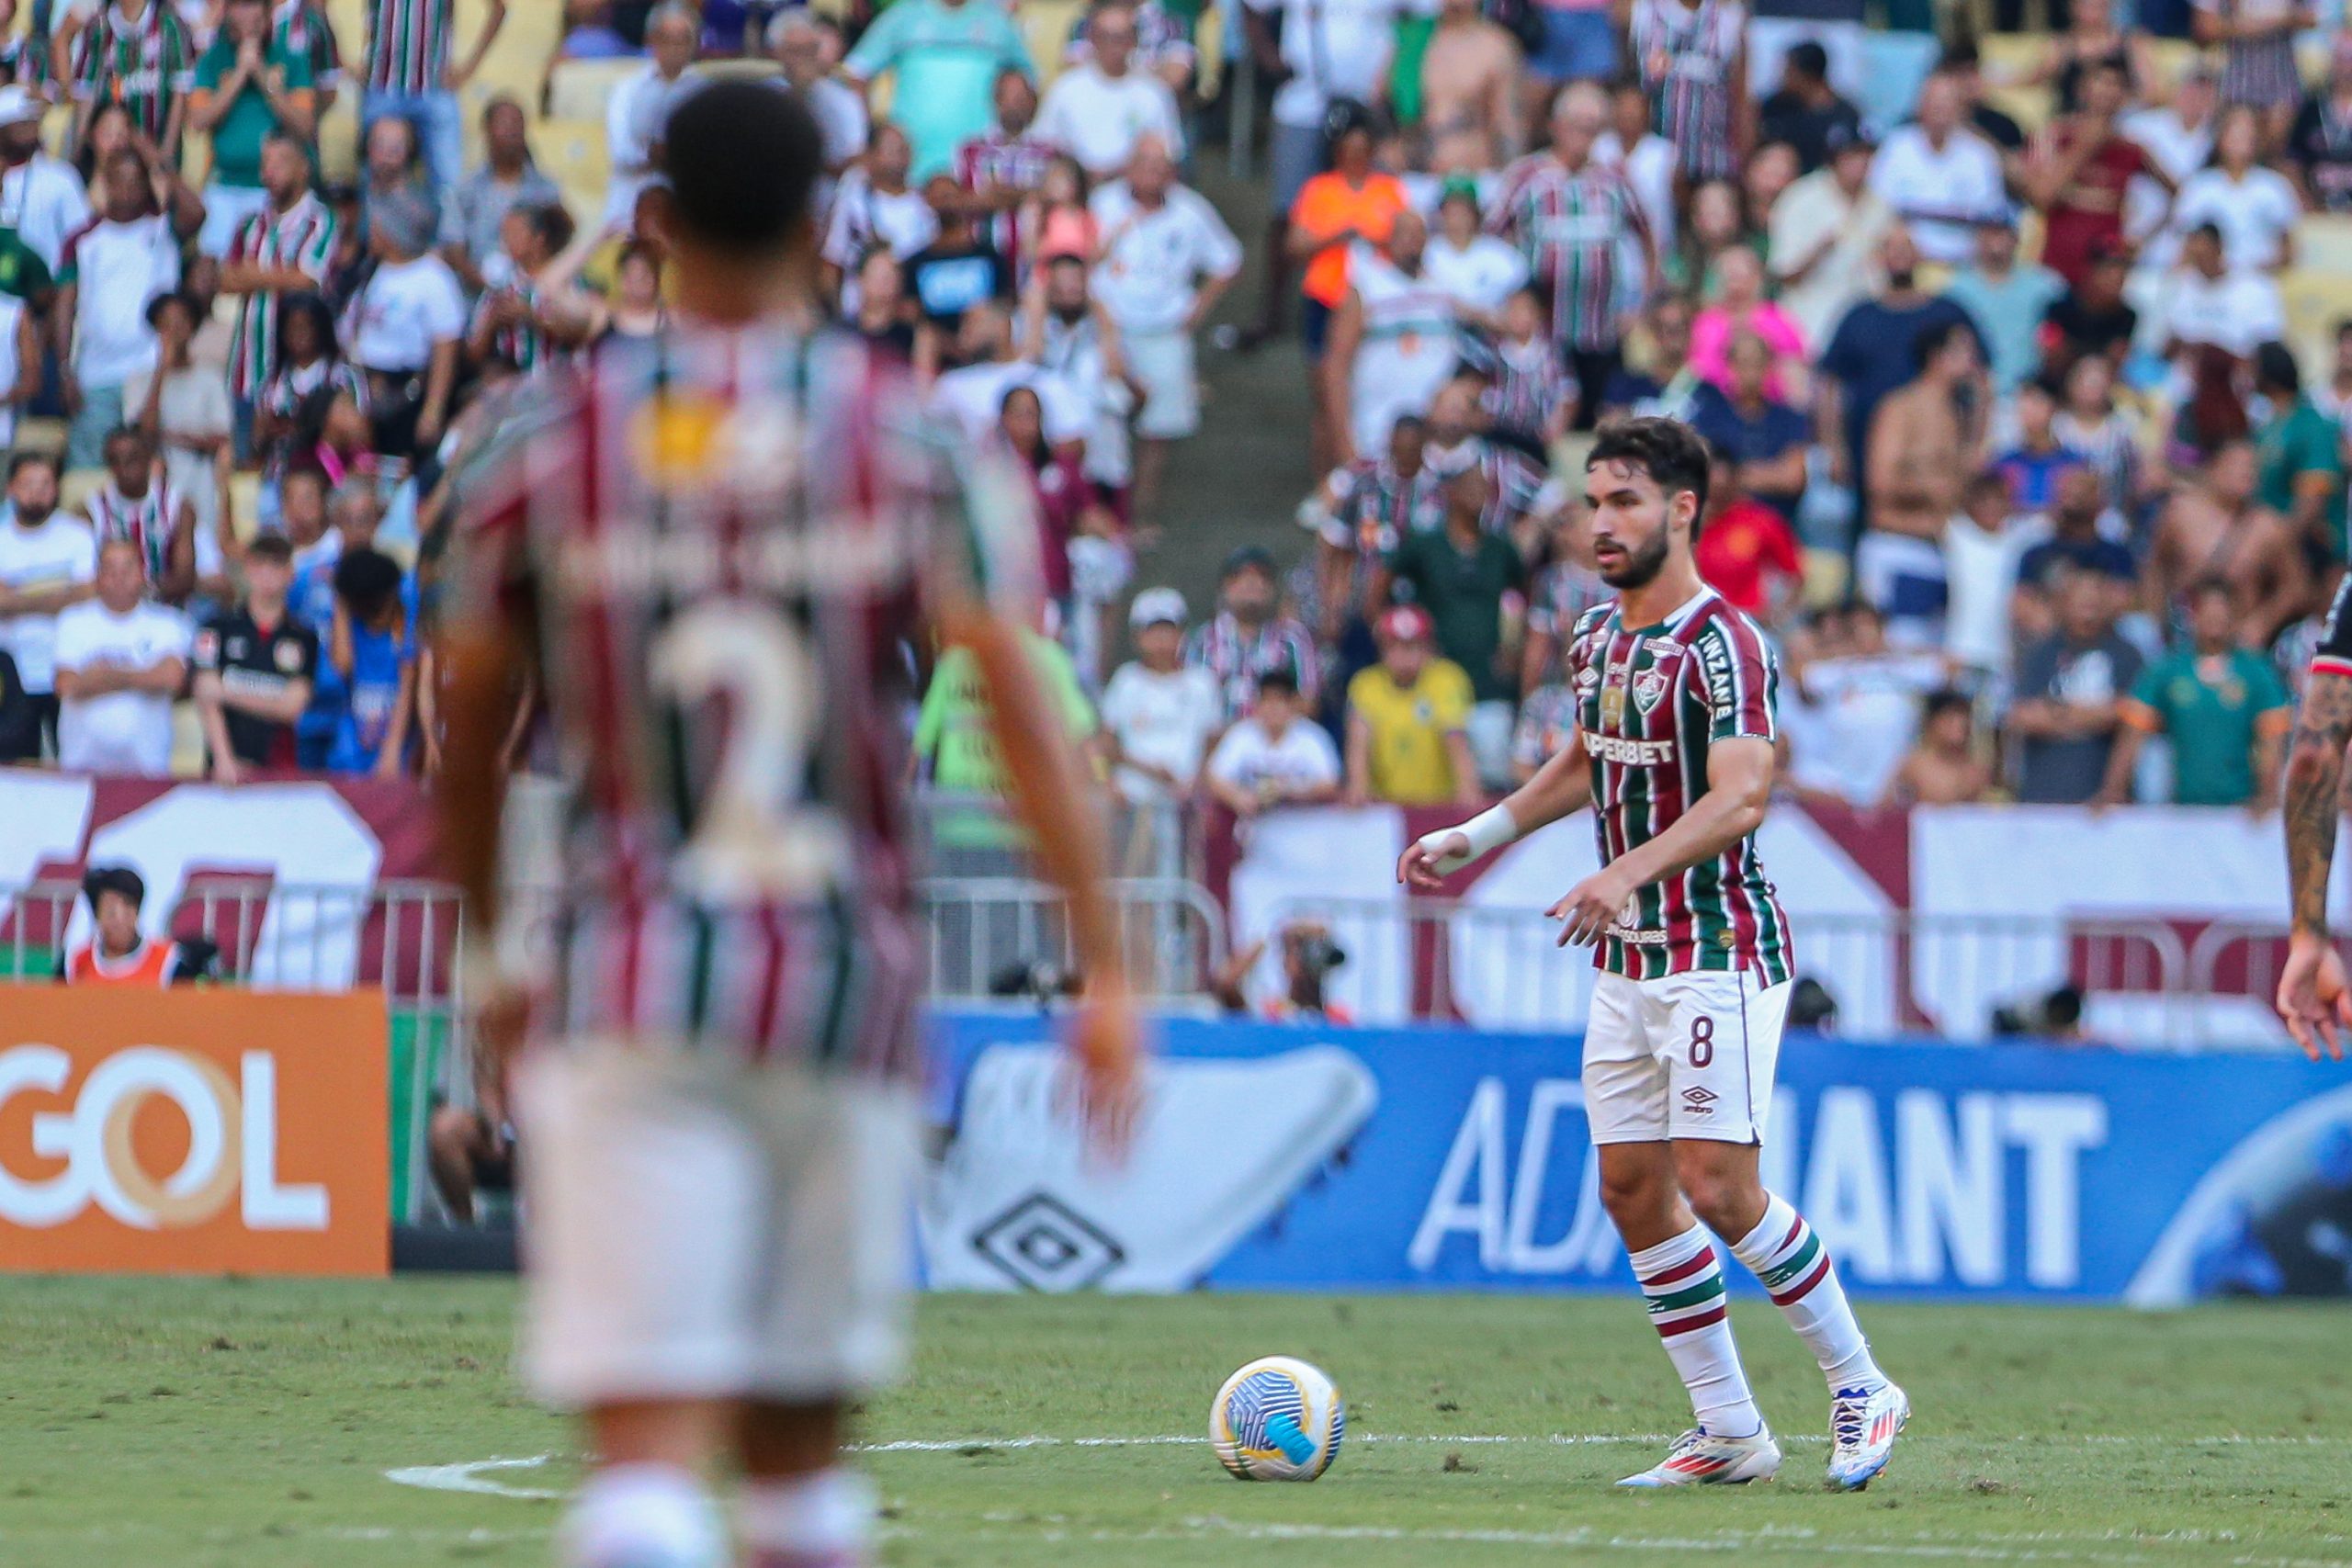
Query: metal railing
[[990, 935], [1889, 973]]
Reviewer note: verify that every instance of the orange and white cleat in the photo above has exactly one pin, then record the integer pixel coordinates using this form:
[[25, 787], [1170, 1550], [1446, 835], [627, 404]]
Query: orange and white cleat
[[1864, 1424], [1699, 1457]]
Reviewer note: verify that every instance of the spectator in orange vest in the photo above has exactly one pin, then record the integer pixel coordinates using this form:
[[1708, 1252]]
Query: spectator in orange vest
[[119, 954]]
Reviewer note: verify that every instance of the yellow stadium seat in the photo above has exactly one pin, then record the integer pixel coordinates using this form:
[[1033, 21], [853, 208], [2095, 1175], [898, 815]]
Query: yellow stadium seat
[[2316, 299], [2170, 59], [2006, 55], [580, 88], [755, 68], [244, 502], [1208, 48], [40, 435], [339, 139], [1047, 25], [77, 485], [2031, 108], [2323, 244], [572, 153]]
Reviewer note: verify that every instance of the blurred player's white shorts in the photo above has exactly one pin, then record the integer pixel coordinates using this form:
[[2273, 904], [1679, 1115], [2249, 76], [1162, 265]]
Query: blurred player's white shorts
[[698, 1229], [1686, 1056]]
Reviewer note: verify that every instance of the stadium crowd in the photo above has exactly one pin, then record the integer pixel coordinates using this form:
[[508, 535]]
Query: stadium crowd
[[2031, 439]]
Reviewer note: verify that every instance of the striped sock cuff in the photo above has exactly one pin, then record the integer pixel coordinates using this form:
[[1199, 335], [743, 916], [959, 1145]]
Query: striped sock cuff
[[1683, 1295], [1786, 1255]]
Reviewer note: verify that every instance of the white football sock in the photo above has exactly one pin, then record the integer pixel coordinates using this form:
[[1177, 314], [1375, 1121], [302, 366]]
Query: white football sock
[[642, 1516], [823, 1520], [1685, 1287], [1796, 1269]]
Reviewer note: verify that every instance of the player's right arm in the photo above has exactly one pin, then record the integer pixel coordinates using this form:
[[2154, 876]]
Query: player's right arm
[[2312, 999], [1561, 787]]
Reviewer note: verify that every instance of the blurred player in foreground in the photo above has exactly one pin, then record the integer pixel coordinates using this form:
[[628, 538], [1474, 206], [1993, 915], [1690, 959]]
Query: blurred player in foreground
[[1676, 698], [2311, 994], [714, 546]]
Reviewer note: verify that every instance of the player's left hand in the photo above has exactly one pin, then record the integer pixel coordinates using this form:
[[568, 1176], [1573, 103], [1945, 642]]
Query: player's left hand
[[1591, 906], [2312, 997], [1107, 1041]]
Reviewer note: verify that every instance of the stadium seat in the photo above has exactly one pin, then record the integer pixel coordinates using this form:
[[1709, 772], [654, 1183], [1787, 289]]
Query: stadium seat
[[2316, 299], [2323, 244], [1208, 46], [40, 434], [572, 153], [339, 138], [579, 89], [1047, 25], [1894, 65], [244, 502]]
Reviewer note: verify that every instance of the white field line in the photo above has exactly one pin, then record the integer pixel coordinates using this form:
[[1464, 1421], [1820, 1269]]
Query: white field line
[[476, 1477]]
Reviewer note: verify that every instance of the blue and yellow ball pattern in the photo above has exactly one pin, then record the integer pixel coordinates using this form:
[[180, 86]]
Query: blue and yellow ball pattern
[[1277, 1419]]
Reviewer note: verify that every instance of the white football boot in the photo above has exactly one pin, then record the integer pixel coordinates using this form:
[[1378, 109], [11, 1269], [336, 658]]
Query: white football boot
[[1864, 1424], [1699, 1457]]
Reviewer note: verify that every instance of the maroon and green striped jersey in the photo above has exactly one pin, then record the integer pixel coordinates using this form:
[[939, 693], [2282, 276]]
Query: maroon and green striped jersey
[[1651, 701], [145, 62], [408, 44], [724, 542], [300, 238], [1566, 224]]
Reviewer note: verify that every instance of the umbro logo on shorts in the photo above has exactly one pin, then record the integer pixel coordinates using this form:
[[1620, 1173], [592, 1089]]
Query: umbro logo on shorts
[[1701, 1099]]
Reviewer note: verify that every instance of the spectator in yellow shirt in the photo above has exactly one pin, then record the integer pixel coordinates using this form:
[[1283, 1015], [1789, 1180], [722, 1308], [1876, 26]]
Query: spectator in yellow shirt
[[1407, 740]]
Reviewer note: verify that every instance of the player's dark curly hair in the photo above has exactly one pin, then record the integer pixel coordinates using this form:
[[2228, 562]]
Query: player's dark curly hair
[[1668, 450], [741, 159]]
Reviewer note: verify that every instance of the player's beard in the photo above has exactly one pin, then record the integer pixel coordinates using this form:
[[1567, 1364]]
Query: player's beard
[[1640, 566]]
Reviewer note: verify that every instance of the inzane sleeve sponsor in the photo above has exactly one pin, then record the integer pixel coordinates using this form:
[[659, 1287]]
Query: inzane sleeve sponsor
[[2334, 654], [1742, 679]]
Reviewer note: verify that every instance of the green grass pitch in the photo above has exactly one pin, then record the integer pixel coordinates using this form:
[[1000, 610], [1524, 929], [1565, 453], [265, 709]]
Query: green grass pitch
[[188, 1423]]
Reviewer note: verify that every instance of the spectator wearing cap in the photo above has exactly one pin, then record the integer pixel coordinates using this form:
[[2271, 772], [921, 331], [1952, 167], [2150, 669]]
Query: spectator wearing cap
[[2069, 690], [256, 665], [474, 209], [112, 271], [43, 191], [406, 328], [1938, 175], [1167, 259], [639, 107], [1249, 636], [1826, 232], [122, 659], [1099, 110], [48, 562], [1463, 575], [944, 56], [412, 73], [2319, 147], [118, 953], [2220, 703], [2080, 170], [1479, 270], [1001, 167], [1569, 215], [2008, 299], [2300, 455], [1408, 717], [1158, 712], [249, 87], [1274, 755], [1806, 112]]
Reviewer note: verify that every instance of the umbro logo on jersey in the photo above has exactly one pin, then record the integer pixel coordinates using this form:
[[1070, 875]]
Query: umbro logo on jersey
[[1699, 1099]]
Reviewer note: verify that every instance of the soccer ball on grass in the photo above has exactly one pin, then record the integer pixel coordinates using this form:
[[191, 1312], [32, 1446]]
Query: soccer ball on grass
[[1277, 1419]]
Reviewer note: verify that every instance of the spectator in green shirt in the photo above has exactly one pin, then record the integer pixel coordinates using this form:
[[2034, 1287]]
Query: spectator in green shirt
[[947, 55], [1461, 574], [249, 88], [952, 749], [2222, 707], [2301, 457]]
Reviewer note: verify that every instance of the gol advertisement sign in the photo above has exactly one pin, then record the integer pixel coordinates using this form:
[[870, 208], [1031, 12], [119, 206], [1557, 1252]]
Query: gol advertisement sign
[[187, 1131]]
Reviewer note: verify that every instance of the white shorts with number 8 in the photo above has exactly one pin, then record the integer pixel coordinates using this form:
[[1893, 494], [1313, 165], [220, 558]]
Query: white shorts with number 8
[[1687, 1056]]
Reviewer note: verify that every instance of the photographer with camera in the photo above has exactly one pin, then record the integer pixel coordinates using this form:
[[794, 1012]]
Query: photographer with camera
[[1310, 959]]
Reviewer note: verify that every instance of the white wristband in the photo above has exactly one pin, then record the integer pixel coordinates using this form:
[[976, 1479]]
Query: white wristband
[[1487, 831]]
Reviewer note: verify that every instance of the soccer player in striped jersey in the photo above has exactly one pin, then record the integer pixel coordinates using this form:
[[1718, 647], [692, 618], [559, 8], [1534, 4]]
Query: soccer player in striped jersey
[[712, 547], [1675, 695]]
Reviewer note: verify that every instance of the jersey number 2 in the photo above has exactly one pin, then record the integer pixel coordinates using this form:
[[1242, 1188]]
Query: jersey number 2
[[748, 839]]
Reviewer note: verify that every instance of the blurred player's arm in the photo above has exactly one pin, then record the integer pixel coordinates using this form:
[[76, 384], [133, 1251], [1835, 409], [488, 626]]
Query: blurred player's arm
[[1561, 787], [1049, 798], [2312, 996], [1739, 787]]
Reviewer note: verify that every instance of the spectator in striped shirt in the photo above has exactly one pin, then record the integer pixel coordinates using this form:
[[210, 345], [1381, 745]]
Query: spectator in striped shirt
[[512, 320], [276, 253], [132, 52], [474, 211], [1568, 215], [410, 74], [1249, 636], [1003, 165], [247, 90]]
